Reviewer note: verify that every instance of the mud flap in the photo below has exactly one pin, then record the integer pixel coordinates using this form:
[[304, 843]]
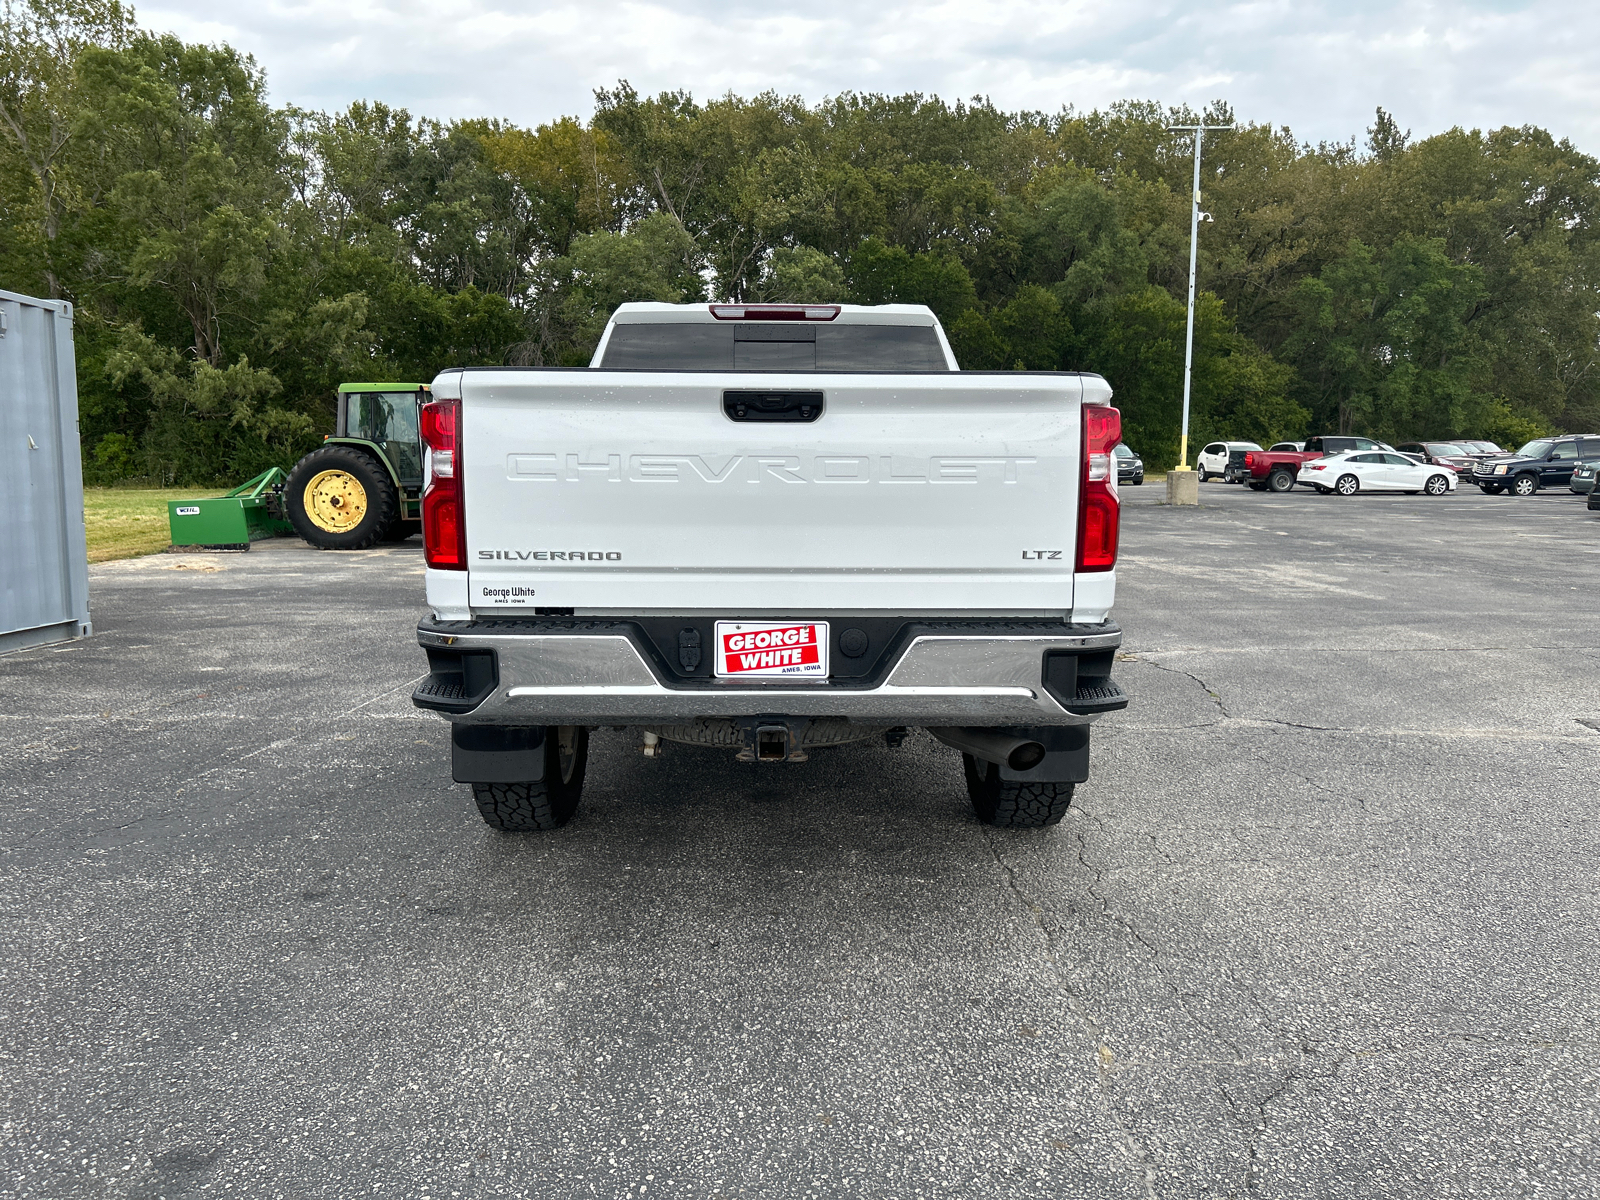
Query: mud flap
[[497, 753]]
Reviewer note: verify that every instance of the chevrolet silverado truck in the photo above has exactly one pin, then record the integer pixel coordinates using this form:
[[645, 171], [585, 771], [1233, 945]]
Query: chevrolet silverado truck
[[1279, 470], [768, 530]]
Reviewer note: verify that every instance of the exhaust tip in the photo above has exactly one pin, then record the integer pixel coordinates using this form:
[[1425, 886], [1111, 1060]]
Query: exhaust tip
[[1025, 757]]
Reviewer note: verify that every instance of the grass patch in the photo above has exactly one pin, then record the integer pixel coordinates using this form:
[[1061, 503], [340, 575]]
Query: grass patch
[[128, 522]]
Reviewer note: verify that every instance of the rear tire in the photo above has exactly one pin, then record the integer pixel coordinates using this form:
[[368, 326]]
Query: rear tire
[[546, 804], [1201, 471], [1008, 804], [341, 498], [1347, 485], [1280, 481]]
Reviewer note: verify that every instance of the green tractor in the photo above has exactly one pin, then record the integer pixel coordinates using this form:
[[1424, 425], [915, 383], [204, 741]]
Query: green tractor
[[363, 485]]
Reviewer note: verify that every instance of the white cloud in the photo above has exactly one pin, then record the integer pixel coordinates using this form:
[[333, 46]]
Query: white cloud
[[1320, 68]]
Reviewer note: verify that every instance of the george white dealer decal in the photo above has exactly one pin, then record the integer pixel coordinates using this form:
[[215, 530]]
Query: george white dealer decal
[[764, 468]]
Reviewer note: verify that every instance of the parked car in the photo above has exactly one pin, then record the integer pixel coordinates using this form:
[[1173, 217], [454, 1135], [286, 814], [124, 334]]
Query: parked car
[[1278, 470], [1289, 446], [1216, 459], [1130, 467], [1478, 447], [1445, 454], [1582, 481], [1376, 471], [1543, 462], [1593, 503], [1422, 460]]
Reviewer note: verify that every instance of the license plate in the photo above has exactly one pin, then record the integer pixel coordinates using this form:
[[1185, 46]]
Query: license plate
[[766, 649]]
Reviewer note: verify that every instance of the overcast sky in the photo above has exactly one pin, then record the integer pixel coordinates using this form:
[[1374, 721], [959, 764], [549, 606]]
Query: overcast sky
[[1320, 68]]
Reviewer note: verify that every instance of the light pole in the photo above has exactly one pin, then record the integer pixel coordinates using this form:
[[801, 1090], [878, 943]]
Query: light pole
[[1194, 241]]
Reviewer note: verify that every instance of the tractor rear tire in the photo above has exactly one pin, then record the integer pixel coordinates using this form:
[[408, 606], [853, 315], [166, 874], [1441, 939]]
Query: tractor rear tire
[[546, 804], [341, 498], [1009, 804]]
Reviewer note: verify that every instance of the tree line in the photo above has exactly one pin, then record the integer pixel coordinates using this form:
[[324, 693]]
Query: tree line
[[232, 261]]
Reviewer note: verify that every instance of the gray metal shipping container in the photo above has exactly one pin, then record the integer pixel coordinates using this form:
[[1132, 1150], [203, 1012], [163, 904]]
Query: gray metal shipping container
[[44, 568]]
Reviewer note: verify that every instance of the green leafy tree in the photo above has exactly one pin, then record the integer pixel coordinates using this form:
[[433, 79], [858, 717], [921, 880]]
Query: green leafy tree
[[1383, 344], [654, 260], [43, 103], [801, 275], [206, 421], [879, 273], [199, 185]]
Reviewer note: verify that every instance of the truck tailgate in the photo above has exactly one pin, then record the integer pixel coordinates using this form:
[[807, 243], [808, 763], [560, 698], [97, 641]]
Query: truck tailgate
[[632, 491]]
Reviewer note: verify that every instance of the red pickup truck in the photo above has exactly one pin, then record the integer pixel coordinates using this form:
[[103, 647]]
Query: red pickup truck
[[1279, 470]]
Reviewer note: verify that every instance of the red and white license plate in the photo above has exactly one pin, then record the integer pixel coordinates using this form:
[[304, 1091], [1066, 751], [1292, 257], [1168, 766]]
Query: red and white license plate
[[760, 649]]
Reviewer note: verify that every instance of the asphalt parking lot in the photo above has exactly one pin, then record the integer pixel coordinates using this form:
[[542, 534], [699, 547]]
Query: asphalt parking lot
[[1323, 922]]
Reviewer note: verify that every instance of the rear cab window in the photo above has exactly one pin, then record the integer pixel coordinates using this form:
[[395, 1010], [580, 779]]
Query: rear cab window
[[773, 346]]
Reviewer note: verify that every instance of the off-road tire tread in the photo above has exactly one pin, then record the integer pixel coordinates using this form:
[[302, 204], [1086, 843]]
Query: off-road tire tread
[[1009, 804], [382, 500], [519, 807], [1032, 805]]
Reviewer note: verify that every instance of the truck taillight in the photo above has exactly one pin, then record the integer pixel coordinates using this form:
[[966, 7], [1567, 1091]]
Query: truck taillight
[[1249, 459], [1098, 508], [444, 528]]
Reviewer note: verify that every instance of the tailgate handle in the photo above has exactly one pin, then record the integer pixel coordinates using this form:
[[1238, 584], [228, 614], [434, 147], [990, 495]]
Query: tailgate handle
[[772, 406]]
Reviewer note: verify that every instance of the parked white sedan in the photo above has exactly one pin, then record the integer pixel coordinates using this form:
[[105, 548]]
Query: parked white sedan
[[1375, 471]]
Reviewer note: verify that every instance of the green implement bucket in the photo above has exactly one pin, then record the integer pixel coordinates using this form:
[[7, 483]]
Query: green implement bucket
[[235, 520]]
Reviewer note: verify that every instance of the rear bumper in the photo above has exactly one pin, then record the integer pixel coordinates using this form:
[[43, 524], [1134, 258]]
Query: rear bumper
[[602, 672]]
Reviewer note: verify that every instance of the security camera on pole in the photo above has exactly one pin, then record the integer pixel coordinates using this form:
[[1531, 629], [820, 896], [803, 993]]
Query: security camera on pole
[[1183, 485]]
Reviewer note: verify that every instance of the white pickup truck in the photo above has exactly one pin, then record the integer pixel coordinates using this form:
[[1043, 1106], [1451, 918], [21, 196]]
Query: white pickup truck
[[766, 530]]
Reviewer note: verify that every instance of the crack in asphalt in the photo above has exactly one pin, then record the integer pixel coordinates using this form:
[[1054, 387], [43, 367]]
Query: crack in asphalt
[[1216, 697], [1130, 1143]]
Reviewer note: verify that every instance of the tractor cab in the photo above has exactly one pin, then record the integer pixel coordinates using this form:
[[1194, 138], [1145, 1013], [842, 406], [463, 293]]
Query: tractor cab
[[383, 417]]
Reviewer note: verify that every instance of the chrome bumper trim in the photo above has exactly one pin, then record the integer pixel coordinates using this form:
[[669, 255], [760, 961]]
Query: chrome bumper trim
[[579, 678]]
